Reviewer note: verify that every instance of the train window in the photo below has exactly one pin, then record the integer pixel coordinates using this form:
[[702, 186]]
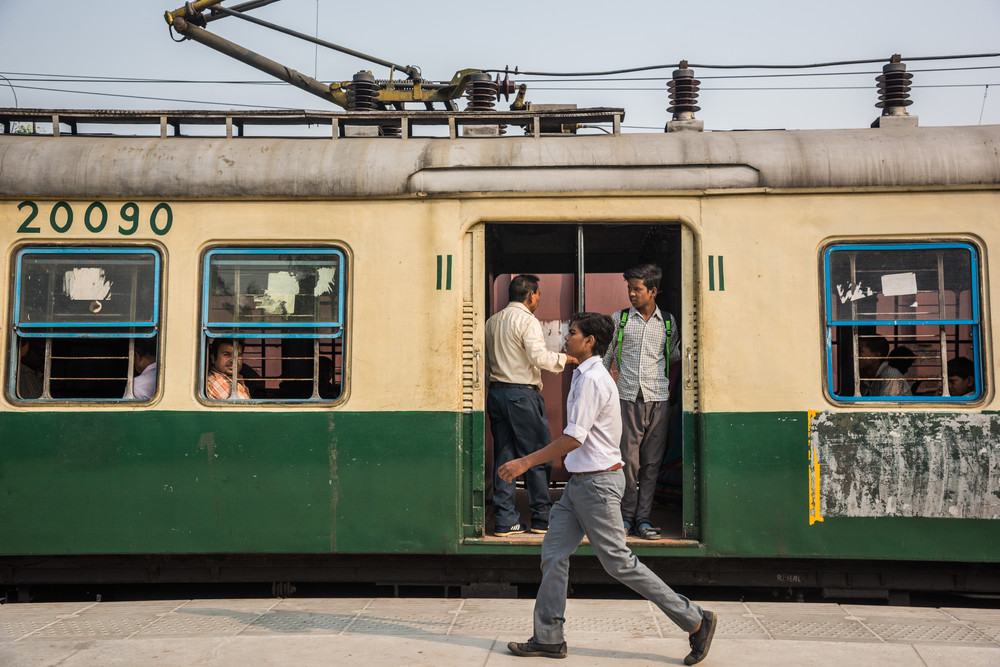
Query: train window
[[85, 324], [273, 321], [903, 322]]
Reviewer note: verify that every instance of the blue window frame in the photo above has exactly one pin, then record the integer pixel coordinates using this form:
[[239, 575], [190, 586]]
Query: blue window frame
[[901, 320], [281, 311], [78, 313]]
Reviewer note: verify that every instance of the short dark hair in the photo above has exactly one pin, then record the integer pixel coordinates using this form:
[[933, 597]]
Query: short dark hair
[[961, 367], [901, 358], [521, 287], [601, 327], [213, 348], [145, 347], [649, 274], [877, 344]]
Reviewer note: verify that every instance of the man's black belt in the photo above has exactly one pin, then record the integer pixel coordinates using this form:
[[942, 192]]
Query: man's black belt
[[494, 385]]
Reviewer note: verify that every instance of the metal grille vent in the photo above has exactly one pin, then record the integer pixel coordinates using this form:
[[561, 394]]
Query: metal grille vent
[[470, 360]]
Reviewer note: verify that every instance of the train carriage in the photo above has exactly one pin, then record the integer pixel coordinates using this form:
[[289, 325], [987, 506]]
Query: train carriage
[[355, 275]]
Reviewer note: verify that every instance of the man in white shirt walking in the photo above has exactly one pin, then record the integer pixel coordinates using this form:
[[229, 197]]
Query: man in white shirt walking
[[515, 355], [590, 504]]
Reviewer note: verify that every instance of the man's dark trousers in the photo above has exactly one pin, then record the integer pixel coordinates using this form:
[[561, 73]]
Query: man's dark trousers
[[519, 427]]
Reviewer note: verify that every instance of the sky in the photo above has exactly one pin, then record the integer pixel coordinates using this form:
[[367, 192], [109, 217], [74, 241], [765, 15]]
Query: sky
[[76, 40]]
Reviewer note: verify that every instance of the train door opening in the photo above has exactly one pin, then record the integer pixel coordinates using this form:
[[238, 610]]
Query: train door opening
[[580, 268]]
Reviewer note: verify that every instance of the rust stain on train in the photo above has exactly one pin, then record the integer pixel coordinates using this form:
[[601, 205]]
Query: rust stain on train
[[334, 482], [925, 464]]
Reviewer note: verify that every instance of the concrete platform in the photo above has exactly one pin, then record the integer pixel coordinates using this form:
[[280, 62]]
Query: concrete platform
[[395, 632]]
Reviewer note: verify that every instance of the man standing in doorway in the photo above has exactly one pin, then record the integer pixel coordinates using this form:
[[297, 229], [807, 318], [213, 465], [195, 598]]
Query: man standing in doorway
[[645, 343], [589, 505], [515, 356]]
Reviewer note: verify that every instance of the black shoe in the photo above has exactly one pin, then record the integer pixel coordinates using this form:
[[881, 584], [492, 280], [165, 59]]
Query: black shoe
[[532, 649], [701, 640], [504, 531], [539, 527]]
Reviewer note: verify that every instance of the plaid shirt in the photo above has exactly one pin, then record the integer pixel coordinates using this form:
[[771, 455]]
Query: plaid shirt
[[218, 386], [643, 365], [887, 382]]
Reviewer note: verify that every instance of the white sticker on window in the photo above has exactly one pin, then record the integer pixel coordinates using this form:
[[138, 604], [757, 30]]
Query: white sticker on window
[[87, 284], [894, 284], [325, 281], [279, 297]]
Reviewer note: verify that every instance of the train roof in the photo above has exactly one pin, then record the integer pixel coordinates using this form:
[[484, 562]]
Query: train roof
[[898, 156]]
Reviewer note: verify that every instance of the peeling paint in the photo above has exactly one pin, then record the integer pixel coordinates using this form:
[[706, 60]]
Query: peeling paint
[[943, 465], [854, 292], [86, 284], [554, 332]]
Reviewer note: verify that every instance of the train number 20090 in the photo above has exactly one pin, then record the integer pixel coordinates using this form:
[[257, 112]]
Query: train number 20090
[[95, 218]]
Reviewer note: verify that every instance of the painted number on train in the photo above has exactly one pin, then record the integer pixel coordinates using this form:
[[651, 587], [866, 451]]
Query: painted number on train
[[96, 218]]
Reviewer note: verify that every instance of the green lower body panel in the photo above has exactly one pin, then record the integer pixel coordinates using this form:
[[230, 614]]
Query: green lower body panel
[[754, 475], [911, 486], [228, 482]]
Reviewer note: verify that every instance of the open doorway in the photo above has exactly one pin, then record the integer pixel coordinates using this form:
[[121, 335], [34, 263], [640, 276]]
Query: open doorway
[[580, 267]]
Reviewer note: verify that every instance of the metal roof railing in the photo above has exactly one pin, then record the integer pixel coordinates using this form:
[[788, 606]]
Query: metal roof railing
[[397, 124]]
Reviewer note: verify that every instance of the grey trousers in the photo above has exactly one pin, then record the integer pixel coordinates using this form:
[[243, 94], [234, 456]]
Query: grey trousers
[[643, 445], [591, 506]]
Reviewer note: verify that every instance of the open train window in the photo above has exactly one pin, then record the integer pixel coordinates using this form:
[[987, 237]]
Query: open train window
[[903, 322], [273, 322], [85, 324]]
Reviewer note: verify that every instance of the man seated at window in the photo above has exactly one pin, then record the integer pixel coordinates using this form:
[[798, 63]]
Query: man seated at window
[[144, 365], [29, 377], [961, 377], [219, 382], [878, 378]]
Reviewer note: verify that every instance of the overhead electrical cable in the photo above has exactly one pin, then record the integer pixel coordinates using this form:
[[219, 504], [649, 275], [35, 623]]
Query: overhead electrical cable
[[67, 78], [708, 66]]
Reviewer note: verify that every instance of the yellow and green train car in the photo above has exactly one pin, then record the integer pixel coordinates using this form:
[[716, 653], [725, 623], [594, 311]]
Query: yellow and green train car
[[355, 275]]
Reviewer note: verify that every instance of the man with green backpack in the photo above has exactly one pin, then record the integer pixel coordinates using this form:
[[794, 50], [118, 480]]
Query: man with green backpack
[[645, 343]]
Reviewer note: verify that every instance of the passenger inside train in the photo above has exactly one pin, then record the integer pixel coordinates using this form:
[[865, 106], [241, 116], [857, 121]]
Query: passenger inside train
[[222, 356], [144, 368]]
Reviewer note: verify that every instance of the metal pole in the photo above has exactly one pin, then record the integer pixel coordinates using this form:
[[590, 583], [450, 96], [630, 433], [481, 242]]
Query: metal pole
[[266, 65], [580, 268], [411, 71]]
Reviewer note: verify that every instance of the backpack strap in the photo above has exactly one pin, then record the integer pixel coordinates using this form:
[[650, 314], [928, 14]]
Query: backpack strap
[[621, 334], [666, 345]]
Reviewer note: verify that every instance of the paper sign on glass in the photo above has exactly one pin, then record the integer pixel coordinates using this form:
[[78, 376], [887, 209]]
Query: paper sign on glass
[[894, 284]]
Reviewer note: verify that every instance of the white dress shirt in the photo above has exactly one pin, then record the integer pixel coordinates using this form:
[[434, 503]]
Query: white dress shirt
[[594, 417], [515, 348]]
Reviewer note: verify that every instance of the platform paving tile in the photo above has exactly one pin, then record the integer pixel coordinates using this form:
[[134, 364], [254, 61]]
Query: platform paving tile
[[405, 617], [16, 626], [947, 632], [951, 656], [508, 619], [208, 618], [795, 608], [980, 615], [874, 612]]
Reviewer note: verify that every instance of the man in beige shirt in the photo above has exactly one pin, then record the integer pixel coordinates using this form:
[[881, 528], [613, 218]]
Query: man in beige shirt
[[515, 357]]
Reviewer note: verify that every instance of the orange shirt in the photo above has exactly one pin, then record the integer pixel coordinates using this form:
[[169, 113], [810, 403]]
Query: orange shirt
[[219, 386]]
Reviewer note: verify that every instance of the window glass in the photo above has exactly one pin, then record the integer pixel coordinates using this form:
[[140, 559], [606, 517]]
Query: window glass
[[85, 324], [273, 320], [86, 287], [903, 320]]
